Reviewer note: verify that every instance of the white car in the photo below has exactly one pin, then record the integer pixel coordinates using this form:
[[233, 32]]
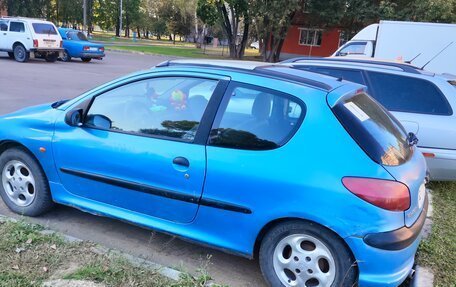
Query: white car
[[255, 45], [25, 38], [424, 102]]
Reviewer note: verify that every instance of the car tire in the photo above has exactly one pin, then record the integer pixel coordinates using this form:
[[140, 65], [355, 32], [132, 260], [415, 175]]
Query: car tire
[[20, 53], [86, 60], [51, 58], [23, 185], [66, 57], [288, 256], [11, 55]]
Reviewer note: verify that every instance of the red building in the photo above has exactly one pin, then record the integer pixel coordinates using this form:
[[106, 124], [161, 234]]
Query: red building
[[3, 11], [305, 40]]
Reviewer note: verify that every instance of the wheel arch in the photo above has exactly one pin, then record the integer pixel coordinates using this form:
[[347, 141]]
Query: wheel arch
[[19, 43], [8, 144], [266, 228]]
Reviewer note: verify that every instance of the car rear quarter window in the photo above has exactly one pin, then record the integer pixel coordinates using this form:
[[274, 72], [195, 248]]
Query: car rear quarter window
[[44, 28], [375, 130], [17, 27], [408, 94], [255, 118]]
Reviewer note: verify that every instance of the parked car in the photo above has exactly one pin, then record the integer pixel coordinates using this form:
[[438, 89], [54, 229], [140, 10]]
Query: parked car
[[303, 171], [77, 45], [398, 40], [425, 103], [255, 45], [25, 38]]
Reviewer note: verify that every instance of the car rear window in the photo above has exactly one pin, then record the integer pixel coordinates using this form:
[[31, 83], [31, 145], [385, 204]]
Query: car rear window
[[375, 130], [43, 28]]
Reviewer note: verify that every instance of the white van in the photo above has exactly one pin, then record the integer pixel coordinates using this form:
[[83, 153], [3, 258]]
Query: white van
[[431, 45], [25, 38]]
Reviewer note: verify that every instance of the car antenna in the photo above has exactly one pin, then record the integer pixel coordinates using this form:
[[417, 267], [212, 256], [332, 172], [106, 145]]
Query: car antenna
[[451, 43], [413, 59]]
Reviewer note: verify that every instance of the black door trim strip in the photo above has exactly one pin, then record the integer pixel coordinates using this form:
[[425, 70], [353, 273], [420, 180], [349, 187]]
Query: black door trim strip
[[157, 191]]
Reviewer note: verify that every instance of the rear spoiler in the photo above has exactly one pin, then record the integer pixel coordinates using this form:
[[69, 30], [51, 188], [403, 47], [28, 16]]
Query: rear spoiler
[[345, 91]]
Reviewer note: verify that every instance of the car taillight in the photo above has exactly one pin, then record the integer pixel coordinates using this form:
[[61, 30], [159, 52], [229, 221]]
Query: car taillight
[[86, 48], [61, 44], [35, 43], [386, 194], [101, 49]]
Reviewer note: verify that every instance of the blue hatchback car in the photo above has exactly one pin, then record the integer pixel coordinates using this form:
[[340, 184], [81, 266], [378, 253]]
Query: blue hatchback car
[[77, 45], [305, 172]]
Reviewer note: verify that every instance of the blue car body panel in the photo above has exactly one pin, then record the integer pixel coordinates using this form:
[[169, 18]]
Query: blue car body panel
[[75, 48], [301, 179]]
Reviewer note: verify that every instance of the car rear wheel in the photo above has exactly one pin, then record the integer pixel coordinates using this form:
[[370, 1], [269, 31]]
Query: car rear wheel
[[299, 253], [24, 187], [51, 58], [86, 60], [20, 53], [66, 57]]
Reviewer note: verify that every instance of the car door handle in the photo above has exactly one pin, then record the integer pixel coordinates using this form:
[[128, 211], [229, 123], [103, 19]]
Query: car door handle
[[181, 161]]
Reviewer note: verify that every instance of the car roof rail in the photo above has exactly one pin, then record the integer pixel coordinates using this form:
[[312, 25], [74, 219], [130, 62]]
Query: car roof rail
[[403, 66], [257, 68]]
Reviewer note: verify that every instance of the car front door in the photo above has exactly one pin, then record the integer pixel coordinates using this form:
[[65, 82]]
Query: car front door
[[4, 35], [141, 147]]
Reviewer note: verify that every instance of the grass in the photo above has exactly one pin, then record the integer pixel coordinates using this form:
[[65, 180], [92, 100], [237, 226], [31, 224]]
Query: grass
[[29, 258], [439, 251], [162, 50]]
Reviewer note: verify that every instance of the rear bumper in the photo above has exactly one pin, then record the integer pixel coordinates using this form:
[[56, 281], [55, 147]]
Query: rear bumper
[[441, 163], [400, 238], [392, 260], [92, 55]]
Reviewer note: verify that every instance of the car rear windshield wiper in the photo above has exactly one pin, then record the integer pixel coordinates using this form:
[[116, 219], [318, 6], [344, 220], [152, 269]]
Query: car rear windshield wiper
[[58, 104], [412, 139]]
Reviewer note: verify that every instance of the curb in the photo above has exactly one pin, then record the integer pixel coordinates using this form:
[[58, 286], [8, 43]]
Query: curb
[[168, 272]]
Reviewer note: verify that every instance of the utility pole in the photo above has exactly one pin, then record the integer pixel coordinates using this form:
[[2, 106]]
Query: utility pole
[[120, 19], [84, 7]]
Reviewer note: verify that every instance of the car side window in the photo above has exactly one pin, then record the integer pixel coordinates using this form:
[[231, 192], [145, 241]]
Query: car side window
[[255, 118], [17, 27], [169, 107], [3, 26], [408, 94], [356, 48]]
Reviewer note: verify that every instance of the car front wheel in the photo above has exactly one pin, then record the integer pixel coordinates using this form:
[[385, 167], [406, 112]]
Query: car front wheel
[[299, 253], [24, 187]]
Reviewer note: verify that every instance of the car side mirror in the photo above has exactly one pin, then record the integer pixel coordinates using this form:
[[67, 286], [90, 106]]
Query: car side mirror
[[99, 121], [74, 118]]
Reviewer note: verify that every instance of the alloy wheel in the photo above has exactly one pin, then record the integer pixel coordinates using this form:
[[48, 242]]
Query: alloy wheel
[[19, 183], [303, 260]]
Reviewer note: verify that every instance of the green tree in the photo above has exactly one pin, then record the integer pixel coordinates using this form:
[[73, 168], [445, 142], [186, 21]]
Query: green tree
[[234, 18]]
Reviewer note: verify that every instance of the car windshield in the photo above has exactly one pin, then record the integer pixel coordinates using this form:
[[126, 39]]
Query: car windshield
[[76, 35], [43, 28]]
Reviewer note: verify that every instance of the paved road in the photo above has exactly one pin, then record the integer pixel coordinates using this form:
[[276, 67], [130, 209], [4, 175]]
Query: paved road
[[38, 82]]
